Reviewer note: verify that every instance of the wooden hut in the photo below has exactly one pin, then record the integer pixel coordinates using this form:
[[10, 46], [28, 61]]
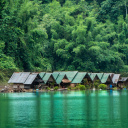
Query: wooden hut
[[69, 74], [80, 78], [48, 79], [18, 79], [106, 79], [24, 79], [100, 75], [33, 81], [94, 77], [122, 82], [115, 79], [62, 79], [42, 74]]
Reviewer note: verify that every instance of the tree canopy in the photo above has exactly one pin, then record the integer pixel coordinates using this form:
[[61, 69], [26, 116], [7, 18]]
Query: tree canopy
[[48, 35]]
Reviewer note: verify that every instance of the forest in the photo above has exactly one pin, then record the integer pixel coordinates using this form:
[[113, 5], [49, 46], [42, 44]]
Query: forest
[[51, 35]]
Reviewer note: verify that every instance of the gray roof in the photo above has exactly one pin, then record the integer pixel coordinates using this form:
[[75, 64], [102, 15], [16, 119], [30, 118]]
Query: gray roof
[[123, 79], [115, 78], [19, 77], [31, 78]]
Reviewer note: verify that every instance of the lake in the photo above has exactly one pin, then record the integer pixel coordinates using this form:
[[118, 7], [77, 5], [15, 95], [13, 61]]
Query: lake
[[70, 109]]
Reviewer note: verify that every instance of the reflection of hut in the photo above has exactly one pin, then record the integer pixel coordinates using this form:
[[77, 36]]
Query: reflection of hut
[[62, 80], [106, 79], [80, 78], [49, 79], [123, 82], [24, 79]]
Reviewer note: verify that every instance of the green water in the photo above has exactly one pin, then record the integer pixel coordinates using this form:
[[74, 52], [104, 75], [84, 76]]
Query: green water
[[81, 109]]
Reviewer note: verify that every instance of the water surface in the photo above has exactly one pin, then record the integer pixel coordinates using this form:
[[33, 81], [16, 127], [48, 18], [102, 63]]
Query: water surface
[[83, 109]]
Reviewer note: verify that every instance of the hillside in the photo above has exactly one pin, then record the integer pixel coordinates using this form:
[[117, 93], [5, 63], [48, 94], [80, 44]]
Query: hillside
[[49, 35]]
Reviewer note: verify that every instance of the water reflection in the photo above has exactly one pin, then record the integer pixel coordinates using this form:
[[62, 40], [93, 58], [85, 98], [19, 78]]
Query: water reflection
[[91, 109]]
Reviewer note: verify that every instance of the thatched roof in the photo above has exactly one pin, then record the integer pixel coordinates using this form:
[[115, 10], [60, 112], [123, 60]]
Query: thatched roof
[[66, 81]]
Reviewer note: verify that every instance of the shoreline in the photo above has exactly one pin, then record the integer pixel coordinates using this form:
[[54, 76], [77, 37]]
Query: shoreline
[[33, 91]]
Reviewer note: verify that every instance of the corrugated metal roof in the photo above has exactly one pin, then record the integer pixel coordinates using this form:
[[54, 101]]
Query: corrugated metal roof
[[70, 74], [31, 78], [46, 77], [92, 76], [100, 75], [123, 79], [23, 77], [79, 77], [115, 78], [55, 75], [14, 77], [41, 74], [19, 77], [105, 77]]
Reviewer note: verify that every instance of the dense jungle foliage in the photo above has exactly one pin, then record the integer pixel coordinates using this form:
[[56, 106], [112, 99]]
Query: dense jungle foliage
[[48, 35]]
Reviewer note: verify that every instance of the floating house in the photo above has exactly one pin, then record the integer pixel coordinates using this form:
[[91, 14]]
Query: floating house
[[100, 75], [48, 79], [61, 79], [18, 79], [41, 74], [106, 79], [115, 79], [93, 77], [123, 82], [25, 80], [80, 78]]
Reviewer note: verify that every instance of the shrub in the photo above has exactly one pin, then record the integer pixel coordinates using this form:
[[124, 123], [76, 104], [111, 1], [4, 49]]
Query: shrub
[[115, 88], [69, 87], [48, 88], [87, 86], [103, 86], [56, 88], [74, 88], [124, 87], [82, 87], [77, 87], [96, 84]]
